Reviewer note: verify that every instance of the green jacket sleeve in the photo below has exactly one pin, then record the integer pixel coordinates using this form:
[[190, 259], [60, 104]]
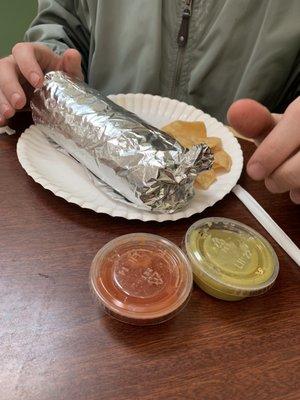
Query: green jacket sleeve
[[60, 25]]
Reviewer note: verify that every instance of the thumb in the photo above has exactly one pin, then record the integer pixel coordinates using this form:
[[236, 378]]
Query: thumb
[[71, 63], [250, 118]]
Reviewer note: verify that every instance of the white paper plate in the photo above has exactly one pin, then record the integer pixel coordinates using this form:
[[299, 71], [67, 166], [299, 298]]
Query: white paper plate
[[66, 178]]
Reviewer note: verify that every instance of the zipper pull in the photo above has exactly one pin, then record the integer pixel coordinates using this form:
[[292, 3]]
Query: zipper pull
[[183, 33]]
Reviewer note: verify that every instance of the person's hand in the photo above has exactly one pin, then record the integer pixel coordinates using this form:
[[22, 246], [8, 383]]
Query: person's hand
[[24, 70], [277, 158]]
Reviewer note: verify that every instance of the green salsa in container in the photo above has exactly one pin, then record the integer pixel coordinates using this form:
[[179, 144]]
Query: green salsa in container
[[230, 261]]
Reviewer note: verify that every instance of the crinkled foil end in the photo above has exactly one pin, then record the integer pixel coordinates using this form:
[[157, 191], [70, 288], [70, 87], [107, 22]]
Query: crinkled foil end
[[147, 167], [177, 187]]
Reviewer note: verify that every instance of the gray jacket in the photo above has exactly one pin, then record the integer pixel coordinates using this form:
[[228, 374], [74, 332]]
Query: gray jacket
[[208, 55]]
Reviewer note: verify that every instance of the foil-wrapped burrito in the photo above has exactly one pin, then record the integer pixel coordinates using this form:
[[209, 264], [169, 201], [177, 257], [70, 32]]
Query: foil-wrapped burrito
[[140, 162]]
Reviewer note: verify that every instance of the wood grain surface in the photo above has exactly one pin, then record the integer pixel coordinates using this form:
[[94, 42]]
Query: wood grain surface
[[55, 343]]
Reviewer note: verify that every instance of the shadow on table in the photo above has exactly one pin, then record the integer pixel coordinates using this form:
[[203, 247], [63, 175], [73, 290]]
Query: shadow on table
[[204, 319], [111, 225]]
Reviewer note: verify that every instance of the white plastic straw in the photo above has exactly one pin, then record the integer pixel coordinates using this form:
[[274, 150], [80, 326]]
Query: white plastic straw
[[268, 223]]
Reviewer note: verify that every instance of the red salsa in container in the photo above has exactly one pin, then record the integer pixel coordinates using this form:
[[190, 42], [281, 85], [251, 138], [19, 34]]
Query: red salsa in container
[[141, 278]]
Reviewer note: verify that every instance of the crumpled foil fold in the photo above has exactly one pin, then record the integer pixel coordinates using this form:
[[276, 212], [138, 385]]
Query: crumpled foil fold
[[140, 162]]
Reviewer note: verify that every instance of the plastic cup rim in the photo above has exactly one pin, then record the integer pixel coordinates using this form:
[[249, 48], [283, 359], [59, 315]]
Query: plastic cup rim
[[164, 312], [242, 290]]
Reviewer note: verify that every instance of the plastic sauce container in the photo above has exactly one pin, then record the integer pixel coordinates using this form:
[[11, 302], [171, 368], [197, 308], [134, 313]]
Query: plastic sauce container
[[230, 261], [141, 279]]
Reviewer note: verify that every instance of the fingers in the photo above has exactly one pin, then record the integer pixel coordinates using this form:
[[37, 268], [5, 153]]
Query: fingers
[[25, 67], [12, 94], [259, 139], [3, 121], [281, 143], [277, 158], [250, 118], [286, 177], [295, 196], [72, 63], [4, 109], [26, 59]]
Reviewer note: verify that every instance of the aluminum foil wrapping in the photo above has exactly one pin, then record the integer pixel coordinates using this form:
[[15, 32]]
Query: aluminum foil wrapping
[[140, 162]]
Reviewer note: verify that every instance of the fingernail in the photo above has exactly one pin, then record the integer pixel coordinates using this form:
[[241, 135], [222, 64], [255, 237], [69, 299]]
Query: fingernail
[[34, 78], [256, 171], [16, 99]]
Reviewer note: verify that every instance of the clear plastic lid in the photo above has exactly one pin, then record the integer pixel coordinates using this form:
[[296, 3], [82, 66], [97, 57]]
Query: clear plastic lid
[[141, 278], [228, 257]]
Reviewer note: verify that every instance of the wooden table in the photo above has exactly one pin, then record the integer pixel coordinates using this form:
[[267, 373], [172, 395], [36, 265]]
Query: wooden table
[[56, 344]]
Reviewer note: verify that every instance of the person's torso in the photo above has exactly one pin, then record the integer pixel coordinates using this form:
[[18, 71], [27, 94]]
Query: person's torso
[[235, 49]]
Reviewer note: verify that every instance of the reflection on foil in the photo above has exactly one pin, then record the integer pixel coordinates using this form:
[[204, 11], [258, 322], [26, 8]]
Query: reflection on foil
[[97, 182]]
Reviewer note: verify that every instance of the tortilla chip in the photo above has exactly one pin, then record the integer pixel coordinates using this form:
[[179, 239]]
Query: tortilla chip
[[213, 142], [192, 131], [222, 161], [189, 134], [205, 179]]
